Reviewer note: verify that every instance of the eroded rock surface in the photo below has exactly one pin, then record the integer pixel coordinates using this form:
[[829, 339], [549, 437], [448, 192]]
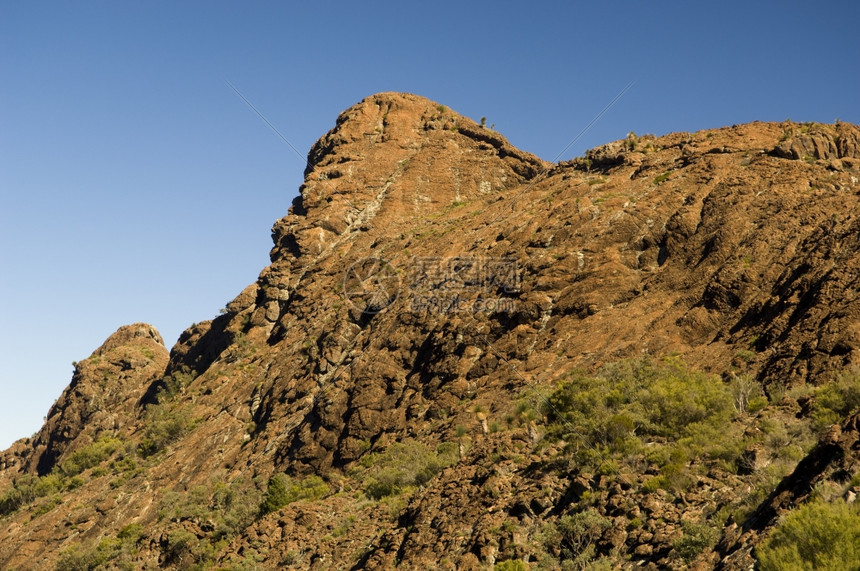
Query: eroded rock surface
[[735, 249]]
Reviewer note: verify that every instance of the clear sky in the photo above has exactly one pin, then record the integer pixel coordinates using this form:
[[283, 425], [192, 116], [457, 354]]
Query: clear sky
[[135, 185]]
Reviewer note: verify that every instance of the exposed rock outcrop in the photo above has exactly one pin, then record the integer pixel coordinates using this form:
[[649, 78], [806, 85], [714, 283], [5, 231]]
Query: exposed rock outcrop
[[103, 394], [834, 461], [427, 280]]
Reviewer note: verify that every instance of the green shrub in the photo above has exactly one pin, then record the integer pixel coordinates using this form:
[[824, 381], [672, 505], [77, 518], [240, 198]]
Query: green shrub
[[183, 545], [277, 493], [659, 179], [174, 384], [90, 456], [185, 550], [19, 495], [79, 558], [404, 465], [696, 538], [685, 414], [47, 485], [579, 531], [283, 490], [576, 536], [756, 404], [192, 504], [46, 506], [833, 402], [817, 535], [235, 506], [27, 489], [132, 532], [121, 551], [164, 425], [679, 400], [221, 508], [74, 483], [511, 565], [64, 477]]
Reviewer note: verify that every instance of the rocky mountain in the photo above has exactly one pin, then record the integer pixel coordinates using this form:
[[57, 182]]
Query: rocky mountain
[[462, 356]]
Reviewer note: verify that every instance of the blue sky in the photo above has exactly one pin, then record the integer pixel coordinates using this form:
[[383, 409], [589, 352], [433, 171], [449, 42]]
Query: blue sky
[[136, 186]]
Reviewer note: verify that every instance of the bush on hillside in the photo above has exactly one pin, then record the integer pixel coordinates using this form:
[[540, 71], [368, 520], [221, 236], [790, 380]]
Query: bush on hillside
[[686, 414], [817, 535]]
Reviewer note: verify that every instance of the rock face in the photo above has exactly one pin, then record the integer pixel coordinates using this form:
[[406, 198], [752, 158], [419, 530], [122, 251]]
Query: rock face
[[102, 396], [428, 277]]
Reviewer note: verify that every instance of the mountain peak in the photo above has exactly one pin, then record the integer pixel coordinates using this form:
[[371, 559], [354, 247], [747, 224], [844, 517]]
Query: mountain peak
[[136, 333], [461, 350]]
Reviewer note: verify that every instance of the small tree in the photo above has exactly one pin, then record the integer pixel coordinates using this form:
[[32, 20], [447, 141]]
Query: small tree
[[277, 493], [744, 390]]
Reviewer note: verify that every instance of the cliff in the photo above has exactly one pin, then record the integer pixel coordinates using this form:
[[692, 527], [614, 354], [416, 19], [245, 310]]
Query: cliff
[[400, 385]]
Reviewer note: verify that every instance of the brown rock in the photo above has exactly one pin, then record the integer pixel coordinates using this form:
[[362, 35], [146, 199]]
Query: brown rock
[[734, 248]]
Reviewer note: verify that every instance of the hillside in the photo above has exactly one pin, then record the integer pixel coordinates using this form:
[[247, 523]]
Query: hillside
[[462, 355]]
